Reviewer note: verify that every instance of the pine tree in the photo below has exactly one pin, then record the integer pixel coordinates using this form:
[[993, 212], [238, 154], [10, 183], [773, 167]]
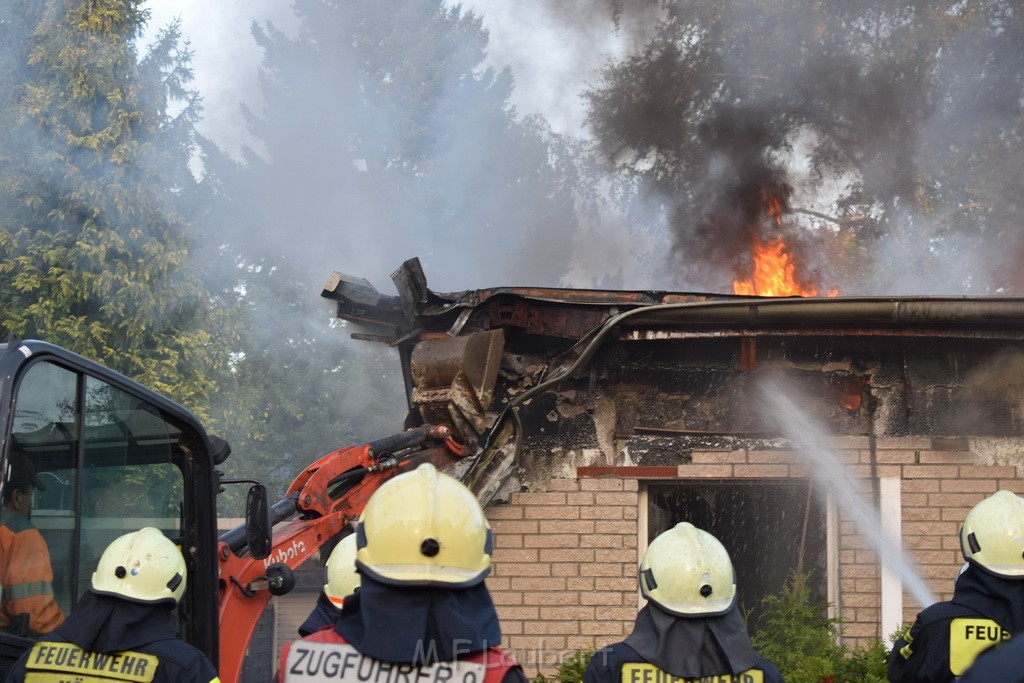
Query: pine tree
[[94, 231]]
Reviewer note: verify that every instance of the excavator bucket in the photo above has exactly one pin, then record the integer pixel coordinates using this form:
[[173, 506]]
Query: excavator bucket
[[454, 379]]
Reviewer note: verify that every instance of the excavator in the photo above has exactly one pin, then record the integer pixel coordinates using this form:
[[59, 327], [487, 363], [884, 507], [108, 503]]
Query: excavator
[[114, 456]]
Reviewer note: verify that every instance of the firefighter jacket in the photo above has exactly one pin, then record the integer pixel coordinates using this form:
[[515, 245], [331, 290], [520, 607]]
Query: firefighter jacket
[[664, 648], [327, 655], [619, 663], [947, 636], [26, 579], [111, 640], [1001, 663], [392, 631], [324, 614]]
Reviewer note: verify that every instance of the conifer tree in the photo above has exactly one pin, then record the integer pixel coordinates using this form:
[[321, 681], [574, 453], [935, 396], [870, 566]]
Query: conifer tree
[[94, 181]]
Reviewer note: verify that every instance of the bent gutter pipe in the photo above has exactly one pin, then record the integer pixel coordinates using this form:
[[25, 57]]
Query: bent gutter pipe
[[860, 312]]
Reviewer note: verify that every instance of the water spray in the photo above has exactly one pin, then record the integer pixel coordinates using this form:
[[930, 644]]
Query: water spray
[[831, 476]]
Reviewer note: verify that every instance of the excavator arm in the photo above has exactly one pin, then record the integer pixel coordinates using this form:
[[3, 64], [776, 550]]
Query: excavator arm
[[318, 505]]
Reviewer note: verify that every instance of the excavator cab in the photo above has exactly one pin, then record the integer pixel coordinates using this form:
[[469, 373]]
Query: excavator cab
[[109, 456]]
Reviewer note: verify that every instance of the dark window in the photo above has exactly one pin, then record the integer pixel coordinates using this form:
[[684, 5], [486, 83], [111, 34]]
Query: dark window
[[765, 526]]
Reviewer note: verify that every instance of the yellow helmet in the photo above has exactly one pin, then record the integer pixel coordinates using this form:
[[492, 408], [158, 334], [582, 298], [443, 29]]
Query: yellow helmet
[[342, 577], [687, 571], [141, 566], [993, 535], [424, 528]]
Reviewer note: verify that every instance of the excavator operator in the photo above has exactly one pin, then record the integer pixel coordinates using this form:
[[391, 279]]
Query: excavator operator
[[424, 612], [27, 605]]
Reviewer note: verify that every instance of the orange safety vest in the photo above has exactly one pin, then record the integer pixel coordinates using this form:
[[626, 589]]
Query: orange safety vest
[[495, 662], [26, 577]]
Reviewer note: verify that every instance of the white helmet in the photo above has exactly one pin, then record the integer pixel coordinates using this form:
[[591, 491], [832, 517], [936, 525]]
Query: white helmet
[[686, 571], [993, 535], [424, 528], [342, 578], [141, 566]]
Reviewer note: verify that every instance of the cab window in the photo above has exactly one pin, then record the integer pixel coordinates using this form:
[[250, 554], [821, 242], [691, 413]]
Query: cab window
[[110, 463]]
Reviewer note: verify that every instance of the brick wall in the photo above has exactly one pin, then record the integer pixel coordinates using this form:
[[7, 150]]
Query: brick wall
[[565, 568], [565, 558]]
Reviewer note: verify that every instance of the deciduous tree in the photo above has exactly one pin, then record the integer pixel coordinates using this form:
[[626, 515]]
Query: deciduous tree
[[887, 129]]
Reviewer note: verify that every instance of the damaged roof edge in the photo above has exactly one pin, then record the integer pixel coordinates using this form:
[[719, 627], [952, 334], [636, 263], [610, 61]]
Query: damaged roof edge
[[417, 300], [417, 306]]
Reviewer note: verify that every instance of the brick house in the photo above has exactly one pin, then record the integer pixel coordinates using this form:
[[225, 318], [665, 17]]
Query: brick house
[[619, 414]]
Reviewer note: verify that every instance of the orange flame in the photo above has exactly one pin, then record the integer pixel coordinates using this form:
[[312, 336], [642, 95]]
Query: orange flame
[[774, 207], [774, 270], [850, 401], [848, 391]]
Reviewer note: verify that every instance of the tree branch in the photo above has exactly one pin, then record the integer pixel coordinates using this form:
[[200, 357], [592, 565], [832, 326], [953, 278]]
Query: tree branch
[[840, 221]]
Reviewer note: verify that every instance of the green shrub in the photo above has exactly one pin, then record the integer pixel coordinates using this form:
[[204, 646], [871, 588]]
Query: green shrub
[[799, 637], [571, 670], [865, 664]]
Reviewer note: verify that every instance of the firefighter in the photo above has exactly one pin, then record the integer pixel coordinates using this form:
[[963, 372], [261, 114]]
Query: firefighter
[[27, 605], [424, 612], [987, 604], [125, 627], [691, 627], [340, 584]]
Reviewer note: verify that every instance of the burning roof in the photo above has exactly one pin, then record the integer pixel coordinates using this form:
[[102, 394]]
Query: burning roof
[[619, 372], [573, 314]]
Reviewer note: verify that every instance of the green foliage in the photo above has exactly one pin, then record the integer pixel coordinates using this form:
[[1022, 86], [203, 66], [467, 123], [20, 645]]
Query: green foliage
[[866, 664], [799, 637], [94, 234], [571, 670]]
